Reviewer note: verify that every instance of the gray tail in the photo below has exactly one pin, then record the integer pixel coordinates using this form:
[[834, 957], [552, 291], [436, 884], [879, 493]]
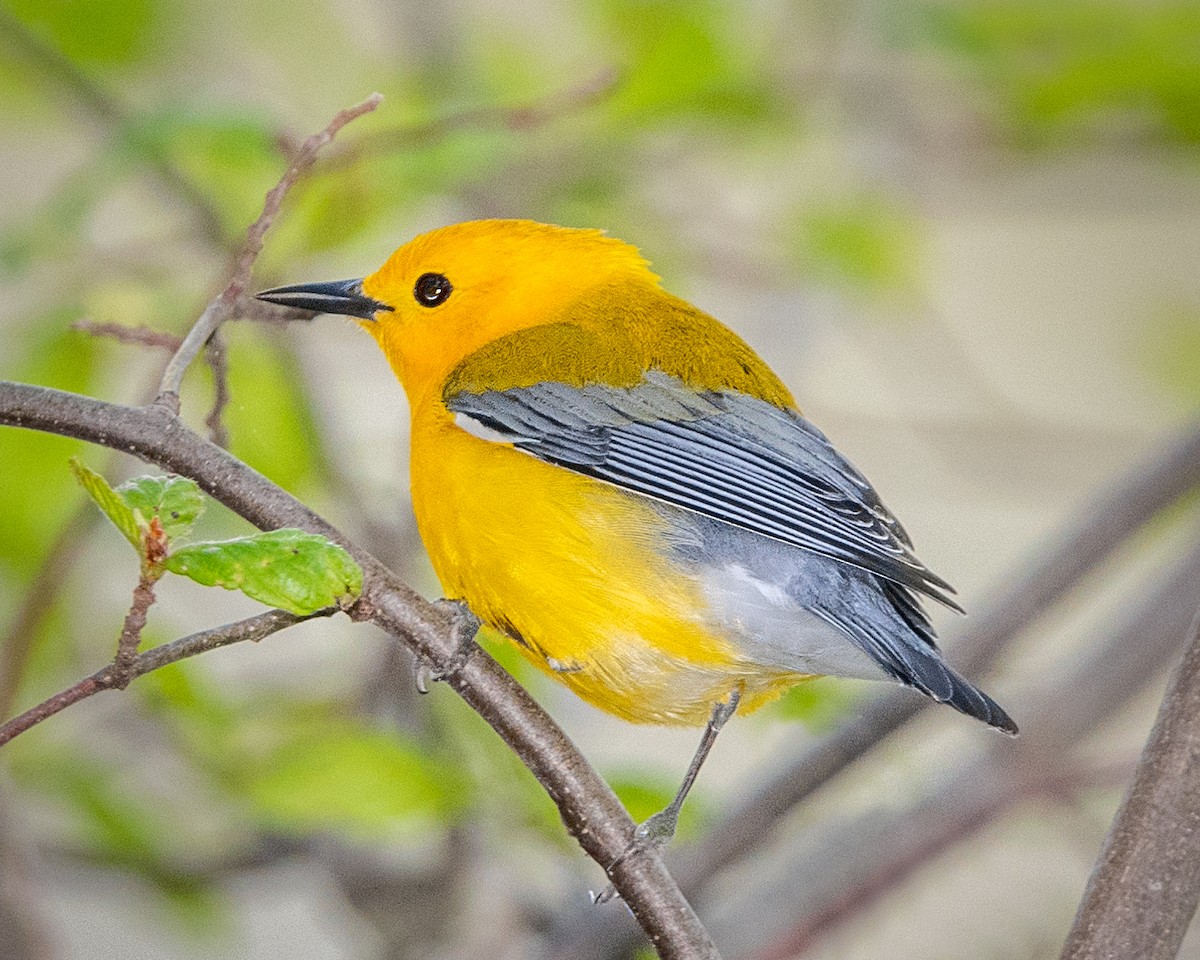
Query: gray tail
[[922, 666]]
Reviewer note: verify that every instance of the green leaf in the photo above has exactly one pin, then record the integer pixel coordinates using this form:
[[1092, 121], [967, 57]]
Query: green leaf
[[176, 501], [297, 571], [349, 777], [108, 500]]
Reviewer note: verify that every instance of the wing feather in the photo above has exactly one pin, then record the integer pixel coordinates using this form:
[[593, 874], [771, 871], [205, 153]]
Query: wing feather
[[726, 455]]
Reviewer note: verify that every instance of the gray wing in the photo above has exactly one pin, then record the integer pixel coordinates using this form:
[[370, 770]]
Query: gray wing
[[727, 456]]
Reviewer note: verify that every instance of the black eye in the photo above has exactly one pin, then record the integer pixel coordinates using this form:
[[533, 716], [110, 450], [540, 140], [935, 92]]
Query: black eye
[[431, 289]]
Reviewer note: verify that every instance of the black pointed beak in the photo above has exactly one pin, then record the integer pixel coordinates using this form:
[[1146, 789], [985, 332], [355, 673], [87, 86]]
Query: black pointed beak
[[336, 296]]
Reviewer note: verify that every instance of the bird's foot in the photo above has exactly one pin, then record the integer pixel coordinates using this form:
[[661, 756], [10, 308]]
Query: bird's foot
[[464, 625], [653, 833]]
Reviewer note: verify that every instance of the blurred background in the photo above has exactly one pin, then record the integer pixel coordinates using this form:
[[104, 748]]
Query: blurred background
[[965, 233]]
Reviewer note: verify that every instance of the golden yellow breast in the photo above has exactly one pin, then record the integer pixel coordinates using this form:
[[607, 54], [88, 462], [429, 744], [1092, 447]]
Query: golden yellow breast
[[572, 570]]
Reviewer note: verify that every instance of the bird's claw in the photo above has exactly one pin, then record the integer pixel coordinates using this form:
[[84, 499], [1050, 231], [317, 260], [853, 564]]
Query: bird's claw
[[426, 675], [657, 831], [653, 833], [465, 626]]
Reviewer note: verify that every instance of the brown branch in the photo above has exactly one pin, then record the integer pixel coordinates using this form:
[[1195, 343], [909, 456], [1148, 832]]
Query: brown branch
[[850, 864], [590, 810], [955, 816], [131, 630], [141, 335], [116, 676], [1098, 530], [1145, 887], [222, 307]]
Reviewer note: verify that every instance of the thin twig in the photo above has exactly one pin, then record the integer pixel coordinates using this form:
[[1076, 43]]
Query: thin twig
[[591, 811], [524, 117], [218, 363], [222, 307], [113, 676], [141, 335], [1143, 893], [131, 629]]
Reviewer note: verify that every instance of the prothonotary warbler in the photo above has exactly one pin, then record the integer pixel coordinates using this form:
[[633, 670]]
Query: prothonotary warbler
[[615, 482]]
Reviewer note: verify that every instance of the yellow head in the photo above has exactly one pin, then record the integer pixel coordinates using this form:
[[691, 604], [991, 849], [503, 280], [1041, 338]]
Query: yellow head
[[447, 293]]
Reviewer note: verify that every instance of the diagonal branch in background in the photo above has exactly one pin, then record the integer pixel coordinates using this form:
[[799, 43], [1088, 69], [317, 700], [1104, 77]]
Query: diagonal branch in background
[[1143, 893], [222, 307], [116, 676], [112, 114], [16, 643], [852, 864], [591, 811], [1097, 532]]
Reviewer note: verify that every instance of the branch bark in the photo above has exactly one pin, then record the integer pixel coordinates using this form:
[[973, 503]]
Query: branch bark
[[850, 864], [1143, 893], [590, 810], [1100, 528], [118, 674]]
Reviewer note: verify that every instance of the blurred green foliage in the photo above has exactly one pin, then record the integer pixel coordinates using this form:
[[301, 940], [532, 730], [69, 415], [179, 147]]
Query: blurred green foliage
[[112, 824], [685, 58], [39, 490], [858, 244], [1079, 69], [270, 415], [228, 155], [298, 765], [95, 33], [1170, 346], [820, 704]]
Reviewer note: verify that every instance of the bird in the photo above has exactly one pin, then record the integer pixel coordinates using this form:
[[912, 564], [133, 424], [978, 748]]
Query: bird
[[614, 481]]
